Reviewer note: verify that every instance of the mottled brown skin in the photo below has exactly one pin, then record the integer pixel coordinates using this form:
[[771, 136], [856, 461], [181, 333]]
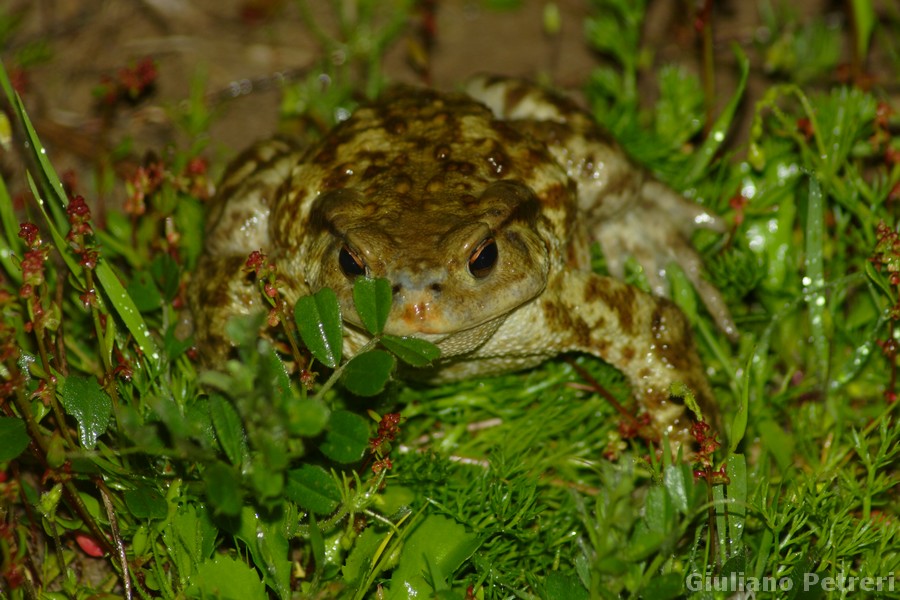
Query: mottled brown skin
[[415, 186]]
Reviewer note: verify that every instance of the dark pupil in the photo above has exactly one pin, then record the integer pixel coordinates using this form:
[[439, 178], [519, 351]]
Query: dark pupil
[[483, 259], [350, 264]]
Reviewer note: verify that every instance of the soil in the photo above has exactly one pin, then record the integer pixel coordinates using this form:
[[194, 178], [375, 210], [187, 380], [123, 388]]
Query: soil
[[87, 40]]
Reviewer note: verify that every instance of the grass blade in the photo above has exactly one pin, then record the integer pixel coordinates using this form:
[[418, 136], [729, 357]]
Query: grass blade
[[717, 134], [110, 284], [814, 279]]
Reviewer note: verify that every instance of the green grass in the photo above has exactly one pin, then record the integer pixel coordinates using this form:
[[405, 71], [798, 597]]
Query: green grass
[[262, 480]]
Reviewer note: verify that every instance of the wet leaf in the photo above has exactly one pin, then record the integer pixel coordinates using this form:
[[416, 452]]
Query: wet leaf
[[229, 429], [716, 137], [372, 298], [89, 404], [413, 351], [226, 577], [190, 538], [223, 489], [437, 546], [313, 488], [558, 586], [307, 418], [144, 292], [14, 436], [366, 374], [127, 311], [347, 438], [167, 276], [665, 586], [362, 556], [318, 319], [145, 502], [265, 538]]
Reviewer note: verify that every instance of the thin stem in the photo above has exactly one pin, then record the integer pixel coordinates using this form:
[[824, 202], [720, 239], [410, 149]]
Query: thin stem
[[69, 491], [51, 393], [109, 378], [287, 323], [597, 387], [114, 528], [704, 20]]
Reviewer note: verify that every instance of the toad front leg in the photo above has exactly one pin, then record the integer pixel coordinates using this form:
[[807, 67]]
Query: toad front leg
[[646, 337]]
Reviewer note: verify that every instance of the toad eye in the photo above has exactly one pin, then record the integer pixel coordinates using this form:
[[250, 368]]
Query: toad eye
[[351, 264], [483, 259]]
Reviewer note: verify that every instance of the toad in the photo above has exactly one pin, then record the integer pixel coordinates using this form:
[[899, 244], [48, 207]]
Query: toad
[[479, 208]]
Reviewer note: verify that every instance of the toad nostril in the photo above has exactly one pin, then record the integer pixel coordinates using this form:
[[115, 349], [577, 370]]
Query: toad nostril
[[395, 289], [435, 287]]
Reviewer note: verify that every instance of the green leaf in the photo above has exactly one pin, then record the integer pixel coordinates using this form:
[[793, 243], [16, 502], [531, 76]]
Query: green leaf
[[58, 240], [739, 424], [167, 275], [274, 373], [228, 578], [307, 417], [223, 489], [682, 291], [864, 22], [411, 350], [313, 488], [316, 540], [642, 544], [229, 429], [781, 443], [438, 547], [815, 277], [660, 511], [558, 586], [663, 587], [318, 319], [367, 373], [143, 291], [347, 437], [362, 554], [190, 538], [372, 298], [15, 438], [702, 158], [265, 470], [146, 502], [737, 496], [678, 486], [173, 345], [89, 404], [266, 536], [127, 311], [189, 212], [679, 110], [37, 150], [10, 244]]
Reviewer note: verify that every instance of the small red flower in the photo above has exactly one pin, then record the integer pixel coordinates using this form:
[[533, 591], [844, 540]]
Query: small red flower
[[78, 210], [196, 166], [29, 232], [255, 261], [380, 465], [88, 299]]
